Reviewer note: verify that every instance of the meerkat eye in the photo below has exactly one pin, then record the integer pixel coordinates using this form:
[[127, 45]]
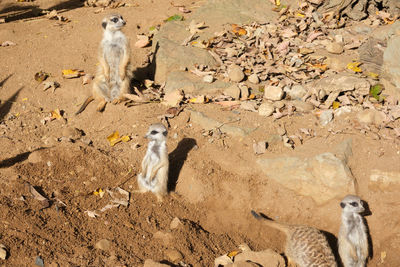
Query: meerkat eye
[[354, 204], [115, 20], [153, 132], [165, 133]]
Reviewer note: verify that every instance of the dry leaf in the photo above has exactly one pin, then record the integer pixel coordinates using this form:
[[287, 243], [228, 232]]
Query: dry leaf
[[37, 195], [335, 104], [238, 30], [55, 114], [99, 192], [354, 66], [72, 73], [50, 84], [198, 100], [114, 138], [91, 214], [233, 253], [87, 78], [196, 27], [41, 76]]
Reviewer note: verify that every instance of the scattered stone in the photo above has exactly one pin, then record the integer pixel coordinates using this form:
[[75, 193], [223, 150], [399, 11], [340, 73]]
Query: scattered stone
[[235, 73], [39, 261], [175, 223], [279, 104], [103, 244], [343, 82], [274, 93], [253, 78], [142, 41], [334, 48], [166, 238], [341, 111], [173, 98], [266, 109], [302, 106], [34, 157], [173, 255], [323, 177], [244, 91], [260, 147], [249, 105], [151, 263], [371, 116], [232, 91], [208, 79], [3, 252], [296, 92], [326, 117], [384, 181]]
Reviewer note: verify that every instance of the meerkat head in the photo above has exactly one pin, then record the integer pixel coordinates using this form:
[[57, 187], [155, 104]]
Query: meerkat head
[[113, 22], [157, 132], [352, 204]]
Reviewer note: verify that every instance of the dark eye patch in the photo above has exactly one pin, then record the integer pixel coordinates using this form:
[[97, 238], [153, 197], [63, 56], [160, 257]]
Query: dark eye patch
[[165, 133], [115, 20], [354, 204], [121, 18], [153, 132]]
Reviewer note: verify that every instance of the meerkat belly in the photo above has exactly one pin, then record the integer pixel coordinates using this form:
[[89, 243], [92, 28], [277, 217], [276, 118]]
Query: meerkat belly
[[113, 58]]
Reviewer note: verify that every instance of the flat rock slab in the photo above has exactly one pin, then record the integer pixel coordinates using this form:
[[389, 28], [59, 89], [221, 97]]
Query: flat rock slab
[[385, 181], [323, 177]]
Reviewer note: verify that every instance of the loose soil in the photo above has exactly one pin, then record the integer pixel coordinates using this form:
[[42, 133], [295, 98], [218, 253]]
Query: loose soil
[[215, 182]]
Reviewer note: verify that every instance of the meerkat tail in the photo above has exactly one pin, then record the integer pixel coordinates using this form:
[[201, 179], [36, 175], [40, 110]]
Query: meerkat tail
[[84, 105], [276, 225]]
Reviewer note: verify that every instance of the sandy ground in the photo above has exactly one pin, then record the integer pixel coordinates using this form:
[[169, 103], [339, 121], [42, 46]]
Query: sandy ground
[[216, 183]]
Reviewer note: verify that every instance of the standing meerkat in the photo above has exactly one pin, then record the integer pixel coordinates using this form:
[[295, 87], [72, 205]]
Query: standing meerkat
[[114, 73], [155, 164], [352, 239], [305, 246]]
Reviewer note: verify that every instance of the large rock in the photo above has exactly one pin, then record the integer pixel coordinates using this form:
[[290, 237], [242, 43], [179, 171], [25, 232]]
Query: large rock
[[342, 83], [385, 181], [192, 84], [323, 177], [391, 63]]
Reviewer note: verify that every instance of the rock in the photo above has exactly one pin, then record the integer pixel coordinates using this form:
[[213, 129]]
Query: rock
[[166, 238], [266, 109], [34, 157], [273, 93], [235, 73], [209, 124], [173, 98], [208, 79], [296, 92], [384, 181], [334, 48], [248, 105], [391, 64], [103, 244], [253, 78], [341, 111], [175, 223], [192, 84], [322, 177], [173, 255], [302, 106], [336, 63], [39, 261], [342, 83], [371, 116], [260, 147], [262, 258], [151, 263], [142, 41], [279, 104], [232, 91], [72, 133], [3, 252], [326, 117], [244, 91]]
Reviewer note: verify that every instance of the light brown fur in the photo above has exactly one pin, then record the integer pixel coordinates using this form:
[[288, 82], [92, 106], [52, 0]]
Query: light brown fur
[[305, 246], [114, 72]]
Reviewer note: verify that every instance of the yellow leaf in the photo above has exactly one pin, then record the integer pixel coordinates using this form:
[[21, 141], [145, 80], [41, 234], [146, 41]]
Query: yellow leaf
[[238, 30], [277, 2], [354, 66], [233, 253], [99, 192], [55, 114], [125, 138], [373, 75], [24, 99], [114, 138], [383, 256], [193, 100], [335, 105], [298, 14], [72, 73], [252, 96], [17, 114]]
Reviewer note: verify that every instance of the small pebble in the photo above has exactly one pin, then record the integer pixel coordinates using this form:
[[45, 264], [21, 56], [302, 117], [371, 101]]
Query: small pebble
[[235, 73], [208, 79]]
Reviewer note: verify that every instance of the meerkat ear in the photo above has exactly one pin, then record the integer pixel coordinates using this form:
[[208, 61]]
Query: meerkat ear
[[104, 24], [342, 205]]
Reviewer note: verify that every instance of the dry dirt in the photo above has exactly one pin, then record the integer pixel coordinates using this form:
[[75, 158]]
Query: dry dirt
[[216, 184]]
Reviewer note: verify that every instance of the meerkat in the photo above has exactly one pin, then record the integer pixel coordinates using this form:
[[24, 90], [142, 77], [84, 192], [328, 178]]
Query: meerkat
[[155, 164], [305, 246], [114, 73], [352, 239]]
